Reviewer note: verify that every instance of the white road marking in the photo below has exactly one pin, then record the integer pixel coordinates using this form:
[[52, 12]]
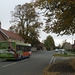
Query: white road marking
[[51, 60], [54, 60], [9, 64]]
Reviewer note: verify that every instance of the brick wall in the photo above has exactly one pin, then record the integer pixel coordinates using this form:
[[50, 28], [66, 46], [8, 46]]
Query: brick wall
[[2, 38]]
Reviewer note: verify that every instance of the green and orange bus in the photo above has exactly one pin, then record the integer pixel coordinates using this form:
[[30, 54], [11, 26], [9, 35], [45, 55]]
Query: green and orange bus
[[13, 50]]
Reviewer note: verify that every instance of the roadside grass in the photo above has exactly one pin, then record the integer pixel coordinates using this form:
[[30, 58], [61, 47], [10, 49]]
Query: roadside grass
[[70, 52], [73, 52], [63, 55]]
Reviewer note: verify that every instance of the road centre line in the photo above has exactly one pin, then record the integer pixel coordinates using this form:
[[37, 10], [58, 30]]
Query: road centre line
[[9, 64]]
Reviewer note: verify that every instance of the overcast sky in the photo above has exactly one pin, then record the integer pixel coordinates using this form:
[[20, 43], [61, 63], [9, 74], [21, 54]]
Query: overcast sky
[[6, 6]]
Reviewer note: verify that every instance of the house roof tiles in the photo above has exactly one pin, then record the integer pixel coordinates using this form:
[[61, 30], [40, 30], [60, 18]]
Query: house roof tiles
[[12, 35]]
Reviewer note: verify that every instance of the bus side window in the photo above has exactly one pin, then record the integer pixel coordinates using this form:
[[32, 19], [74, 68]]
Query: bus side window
[[17, 47], [22, 48], [25, 48], [28, 48]]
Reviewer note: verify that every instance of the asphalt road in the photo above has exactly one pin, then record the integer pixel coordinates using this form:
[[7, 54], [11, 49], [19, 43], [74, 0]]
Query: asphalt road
[[29, 66]]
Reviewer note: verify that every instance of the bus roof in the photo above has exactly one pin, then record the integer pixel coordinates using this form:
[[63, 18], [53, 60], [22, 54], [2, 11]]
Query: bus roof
[[25, 44]]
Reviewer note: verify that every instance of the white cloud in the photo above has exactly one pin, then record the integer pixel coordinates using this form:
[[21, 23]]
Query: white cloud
[[6, 6]]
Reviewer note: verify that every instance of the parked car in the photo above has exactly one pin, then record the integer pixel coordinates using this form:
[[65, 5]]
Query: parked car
[[62, 50], [56, 50]]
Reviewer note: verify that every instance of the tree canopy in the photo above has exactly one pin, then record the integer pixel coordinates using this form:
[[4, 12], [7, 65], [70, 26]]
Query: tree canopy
[[60, 16], [26, 22], [49, 43]]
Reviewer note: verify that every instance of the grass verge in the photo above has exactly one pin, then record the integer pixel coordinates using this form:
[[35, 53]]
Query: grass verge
[[63, 55], [73, 52]]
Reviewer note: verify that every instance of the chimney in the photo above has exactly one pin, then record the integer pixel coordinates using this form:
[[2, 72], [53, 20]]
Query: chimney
[[0, 24]]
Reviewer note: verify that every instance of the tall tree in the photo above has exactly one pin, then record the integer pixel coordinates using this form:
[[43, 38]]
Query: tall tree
[[63, 11], [26, 21], [49, 43]]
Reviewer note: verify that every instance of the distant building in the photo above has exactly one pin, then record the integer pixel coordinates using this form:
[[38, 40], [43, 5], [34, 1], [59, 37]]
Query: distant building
[[40, 46], [67, 46], [73, 46], [9, 36]]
